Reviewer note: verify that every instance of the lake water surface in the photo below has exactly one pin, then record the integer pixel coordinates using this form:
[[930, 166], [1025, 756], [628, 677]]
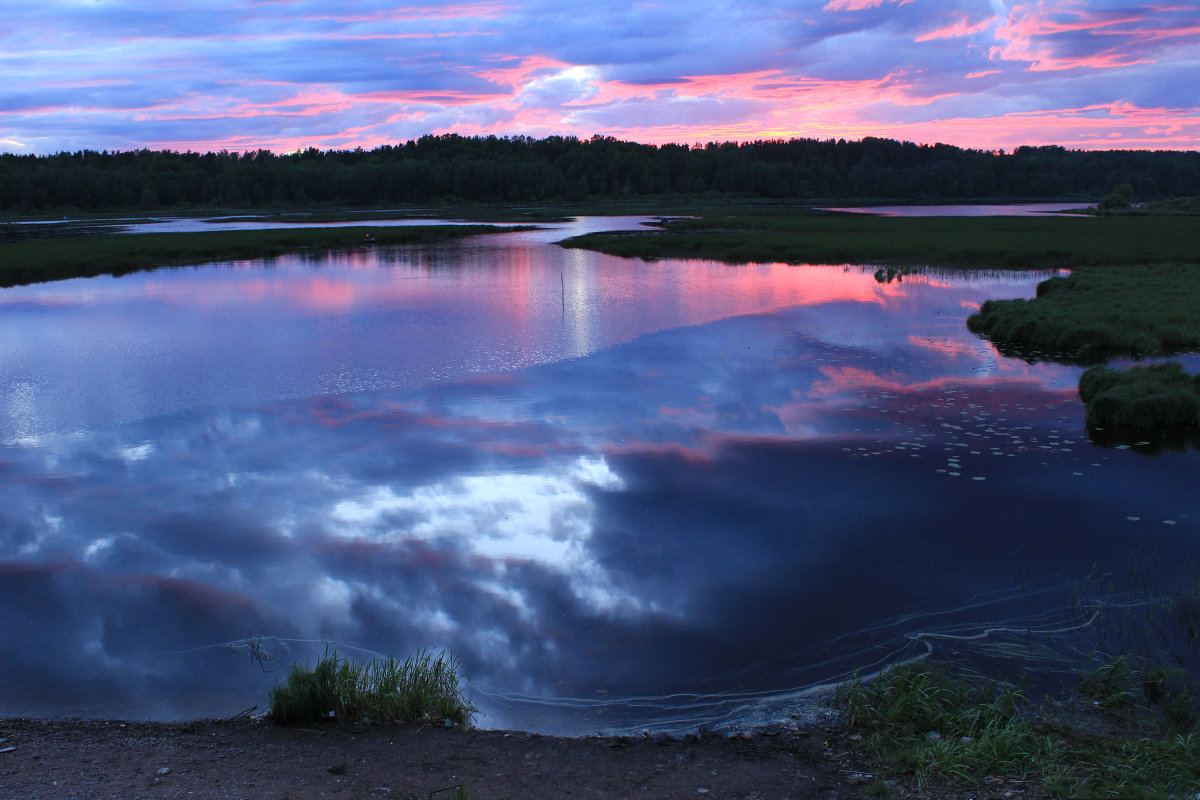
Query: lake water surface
[[627, 495]]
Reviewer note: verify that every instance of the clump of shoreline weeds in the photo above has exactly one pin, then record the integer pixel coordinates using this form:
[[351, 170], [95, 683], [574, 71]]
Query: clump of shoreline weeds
[[422, 688], [923, 722], [1130, 727]]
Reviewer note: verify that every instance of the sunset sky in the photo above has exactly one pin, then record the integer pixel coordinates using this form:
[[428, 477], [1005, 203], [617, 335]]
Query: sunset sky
[[289, 74]]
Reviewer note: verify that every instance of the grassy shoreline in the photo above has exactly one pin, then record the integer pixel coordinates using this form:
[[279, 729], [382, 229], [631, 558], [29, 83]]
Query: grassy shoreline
[[40, 260], [964, 242], [1127, 730]]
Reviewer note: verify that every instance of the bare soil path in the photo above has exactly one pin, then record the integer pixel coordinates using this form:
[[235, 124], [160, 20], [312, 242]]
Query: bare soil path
[[89, 759]]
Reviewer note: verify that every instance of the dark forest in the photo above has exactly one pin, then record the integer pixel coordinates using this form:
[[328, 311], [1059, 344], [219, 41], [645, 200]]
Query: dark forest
[[452, 168]]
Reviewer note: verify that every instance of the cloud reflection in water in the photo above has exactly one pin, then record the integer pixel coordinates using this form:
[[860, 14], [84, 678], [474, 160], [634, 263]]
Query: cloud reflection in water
[[699, 517]]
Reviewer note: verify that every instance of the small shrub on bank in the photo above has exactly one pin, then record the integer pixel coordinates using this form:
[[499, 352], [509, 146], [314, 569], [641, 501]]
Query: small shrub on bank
[[381, 691]]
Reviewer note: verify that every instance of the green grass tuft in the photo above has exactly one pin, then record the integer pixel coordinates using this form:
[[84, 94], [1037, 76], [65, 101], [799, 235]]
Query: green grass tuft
[[422, 688]]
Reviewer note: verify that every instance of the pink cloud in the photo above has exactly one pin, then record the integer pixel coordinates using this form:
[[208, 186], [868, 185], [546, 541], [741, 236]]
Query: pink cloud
[[858, 5], [410, 13], [305, 104], [959, 28], [428, 96], [1085, 128], [1070, 35], [790, 107], [516, 70], [850, 5], [1081, 128]]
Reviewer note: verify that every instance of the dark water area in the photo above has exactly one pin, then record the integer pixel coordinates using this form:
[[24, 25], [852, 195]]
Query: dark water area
[[627, 495]]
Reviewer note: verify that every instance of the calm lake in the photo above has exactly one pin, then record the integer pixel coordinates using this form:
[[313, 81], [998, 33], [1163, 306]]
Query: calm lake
[[627, 495]]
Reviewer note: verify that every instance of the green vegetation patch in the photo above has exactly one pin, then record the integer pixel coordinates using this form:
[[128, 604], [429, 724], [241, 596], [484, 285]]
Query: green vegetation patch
[[75, 257], [920, 720], [1097, 313], [1120, 203], [1174, 205], [1142, 397], [422, 688], [989, 242]]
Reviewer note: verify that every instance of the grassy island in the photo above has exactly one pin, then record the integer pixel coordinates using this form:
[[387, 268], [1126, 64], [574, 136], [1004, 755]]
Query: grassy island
[[1094, 314], [38, 260], [1143, 397]]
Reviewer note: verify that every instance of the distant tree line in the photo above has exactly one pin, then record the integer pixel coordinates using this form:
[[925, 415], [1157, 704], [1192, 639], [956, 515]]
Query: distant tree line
[[452, 168]]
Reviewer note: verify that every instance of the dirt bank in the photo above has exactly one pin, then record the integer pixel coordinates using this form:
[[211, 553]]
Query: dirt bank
[[246, 759]]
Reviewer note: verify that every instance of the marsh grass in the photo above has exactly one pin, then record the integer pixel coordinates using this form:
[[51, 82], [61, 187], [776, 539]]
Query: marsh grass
[[1144, 665], [991, 242], [422, 688], [1130, 728], [1152, 749], [1167, 206], [1096, 313], [1141, 397], [39, 260], [1113, 684], [921, 720], [1120, 768]]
